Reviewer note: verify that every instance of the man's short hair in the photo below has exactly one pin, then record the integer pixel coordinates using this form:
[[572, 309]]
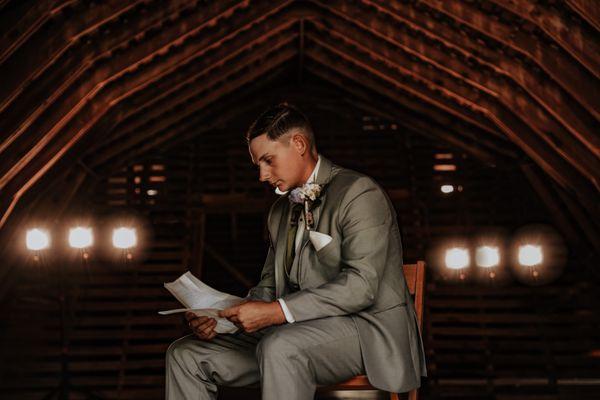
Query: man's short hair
[[278, 120]]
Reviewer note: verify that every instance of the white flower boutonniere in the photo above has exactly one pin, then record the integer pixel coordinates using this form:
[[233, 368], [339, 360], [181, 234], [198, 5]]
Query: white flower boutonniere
[[307, 194]]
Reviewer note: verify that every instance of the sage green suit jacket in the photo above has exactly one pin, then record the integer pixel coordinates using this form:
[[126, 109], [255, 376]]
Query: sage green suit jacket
[[359, 273]]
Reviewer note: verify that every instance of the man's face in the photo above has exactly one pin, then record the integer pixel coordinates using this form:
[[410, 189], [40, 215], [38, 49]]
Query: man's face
[[279, 161]]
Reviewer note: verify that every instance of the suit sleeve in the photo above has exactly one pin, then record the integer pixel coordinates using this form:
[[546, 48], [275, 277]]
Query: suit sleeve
[[365, 220], [265, 289]]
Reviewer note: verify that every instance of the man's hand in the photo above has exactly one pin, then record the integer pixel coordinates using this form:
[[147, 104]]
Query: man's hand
[[255, 315], [202, 326]]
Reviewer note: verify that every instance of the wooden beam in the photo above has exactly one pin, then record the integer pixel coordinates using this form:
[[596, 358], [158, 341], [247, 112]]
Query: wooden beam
[[589, 10], [571, 35], [53, 75], [179, 83], [88, 110], [518, 90], [389, 61], [519, 133], [471, 113], [480, 38], [228, 82], [92, 98], [454, 136]]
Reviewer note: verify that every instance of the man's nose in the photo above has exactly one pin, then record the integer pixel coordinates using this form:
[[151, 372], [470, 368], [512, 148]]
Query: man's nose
[[263, 175]]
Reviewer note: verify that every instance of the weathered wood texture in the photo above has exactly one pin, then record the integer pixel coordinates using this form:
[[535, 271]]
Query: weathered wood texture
[[91, 89], [96, 80], [481, 340]]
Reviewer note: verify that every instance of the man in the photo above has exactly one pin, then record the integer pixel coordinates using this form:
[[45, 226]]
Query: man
[[332, 302]]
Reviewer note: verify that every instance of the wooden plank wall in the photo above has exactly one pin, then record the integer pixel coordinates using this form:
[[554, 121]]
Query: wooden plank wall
[[482, 342]]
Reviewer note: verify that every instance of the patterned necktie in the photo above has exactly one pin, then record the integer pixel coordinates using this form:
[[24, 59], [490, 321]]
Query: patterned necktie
[[290, 248]]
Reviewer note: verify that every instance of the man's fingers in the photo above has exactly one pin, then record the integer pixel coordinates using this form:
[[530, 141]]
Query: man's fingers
[[197, 320], [206, 330], [209, 326], [203, 325], [190, 316], [228, 312]]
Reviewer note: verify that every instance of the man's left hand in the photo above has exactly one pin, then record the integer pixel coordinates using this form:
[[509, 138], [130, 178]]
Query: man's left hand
[[254, 315]]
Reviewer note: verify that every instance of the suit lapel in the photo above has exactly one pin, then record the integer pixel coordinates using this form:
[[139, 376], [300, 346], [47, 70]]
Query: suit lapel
[[324, 175], [280, 248]]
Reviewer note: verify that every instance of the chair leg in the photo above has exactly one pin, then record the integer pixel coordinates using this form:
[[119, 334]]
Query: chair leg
[[413, 394]]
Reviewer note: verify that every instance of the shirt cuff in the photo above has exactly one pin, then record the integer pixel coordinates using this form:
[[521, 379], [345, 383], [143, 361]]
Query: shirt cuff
[[286, 311]]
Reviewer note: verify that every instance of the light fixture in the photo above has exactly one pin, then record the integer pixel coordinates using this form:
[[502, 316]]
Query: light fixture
[[37, 239], [124, 238], [487, 256], [538, 254], [444, 167], [530, 255], [457, 258], [80, 237], [447, 189]]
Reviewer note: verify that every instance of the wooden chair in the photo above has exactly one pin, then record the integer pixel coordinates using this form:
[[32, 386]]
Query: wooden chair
[[414, 274]]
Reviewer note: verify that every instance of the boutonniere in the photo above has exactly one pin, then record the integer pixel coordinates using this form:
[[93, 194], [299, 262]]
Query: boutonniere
[[309, 195]]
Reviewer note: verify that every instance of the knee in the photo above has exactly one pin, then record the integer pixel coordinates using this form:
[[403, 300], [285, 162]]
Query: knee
[[179, 352], [275, 346]]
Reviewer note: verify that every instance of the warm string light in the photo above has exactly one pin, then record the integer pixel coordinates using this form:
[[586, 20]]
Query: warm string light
[[534, 255], [447, 189], [487, 256], [531, 256], [37, 239], [82, 238], [457, 258], [125, 238]]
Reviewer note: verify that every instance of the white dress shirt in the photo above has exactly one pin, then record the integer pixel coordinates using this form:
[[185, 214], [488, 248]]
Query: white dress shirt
[[298, 239]]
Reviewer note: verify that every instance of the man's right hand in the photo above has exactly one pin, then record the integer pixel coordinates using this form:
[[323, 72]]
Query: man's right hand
[[202, 326]]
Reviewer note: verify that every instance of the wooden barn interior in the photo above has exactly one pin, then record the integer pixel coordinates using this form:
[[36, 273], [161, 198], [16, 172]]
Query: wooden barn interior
[[133, 113]]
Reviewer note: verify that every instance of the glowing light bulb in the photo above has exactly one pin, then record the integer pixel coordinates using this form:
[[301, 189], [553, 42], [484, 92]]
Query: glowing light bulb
[[457, 258], [447, 189], [124, 238], [80, 237], [37, 239], [530, 255], [487, 256]]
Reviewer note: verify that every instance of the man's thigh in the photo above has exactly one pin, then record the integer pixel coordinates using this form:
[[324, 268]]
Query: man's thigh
[[228, 359], [330, 344]]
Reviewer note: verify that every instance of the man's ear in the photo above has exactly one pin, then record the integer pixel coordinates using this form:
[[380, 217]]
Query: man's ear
[[300, 143]]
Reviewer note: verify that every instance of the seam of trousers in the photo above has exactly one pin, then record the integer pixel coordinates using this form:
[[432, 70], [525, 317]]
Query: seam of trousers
[[322, 343]]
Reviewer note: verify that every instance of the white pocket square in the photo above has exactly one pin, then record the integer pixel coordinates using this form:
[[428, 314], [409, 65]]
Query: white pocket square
[[319, 240]]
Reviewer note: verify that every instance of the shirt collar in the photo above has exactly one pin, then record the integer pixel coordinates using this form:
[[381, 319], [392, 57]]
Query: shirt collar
[[311, 178]]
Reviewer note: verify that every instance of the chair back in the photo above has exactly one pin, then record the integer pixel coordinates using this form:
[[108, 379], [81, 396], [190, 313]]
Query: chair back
[[414, 275]]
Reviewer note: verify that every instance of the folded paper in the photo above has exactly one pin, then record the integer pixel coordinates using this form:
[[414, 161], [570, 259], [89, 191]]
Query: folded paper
[[198, 297]]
